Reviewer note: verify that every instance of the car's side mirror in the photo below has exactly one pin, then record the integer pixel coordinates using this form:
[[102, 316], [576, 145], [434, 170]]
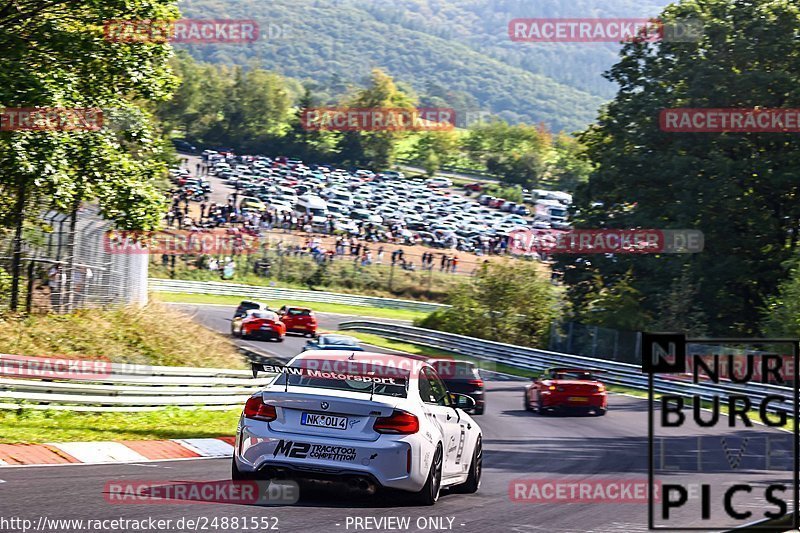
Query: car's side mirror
[[462, 401]]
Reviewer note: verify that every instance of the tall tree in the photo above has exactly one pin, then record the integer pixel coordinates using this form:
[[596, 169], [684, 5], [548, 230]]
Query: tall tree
[[740, 189], [55, 54], [376, 149]]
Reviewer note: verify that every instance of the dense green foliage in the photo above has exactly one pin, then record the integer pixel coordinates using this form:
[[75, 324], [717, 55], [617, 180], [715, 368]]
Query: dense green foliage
[[55, 55], [457, 52], [740, 189], [260, 112], [507, 302]]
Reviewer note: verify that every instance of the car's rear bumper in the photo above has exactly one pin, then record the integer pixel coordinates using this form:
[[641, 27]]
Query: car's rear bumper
[[264, 333], [302, 329], [287, 455], [572, 401]]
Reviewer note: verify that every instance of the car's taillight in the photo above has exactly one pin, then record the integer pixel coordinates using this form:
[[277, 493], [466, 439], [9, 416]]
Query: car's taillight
[[601, 388], [256, 409], [476, 382], [400, 423]]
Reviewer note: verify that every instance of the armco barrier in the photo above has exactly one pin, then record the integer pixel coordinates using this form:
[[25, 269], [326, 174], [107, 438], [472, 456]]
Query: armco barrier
[[522, 357], [274, 293], [124, 387]]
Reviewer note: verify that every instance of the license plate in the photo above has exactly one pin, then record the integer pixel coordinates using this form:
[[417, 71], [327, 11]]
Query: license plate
[[577, 399], [323, 421], [266, 328]]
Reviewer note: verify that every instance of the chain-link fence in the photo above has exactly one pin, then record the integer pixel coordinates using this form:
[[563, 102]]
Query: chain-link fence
[[596, 342], [97, 278]]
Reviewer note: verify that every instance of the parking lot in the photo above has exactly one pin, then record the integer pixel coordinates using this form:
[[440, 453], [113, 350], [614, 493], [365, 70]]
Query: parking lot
[[359, 205]]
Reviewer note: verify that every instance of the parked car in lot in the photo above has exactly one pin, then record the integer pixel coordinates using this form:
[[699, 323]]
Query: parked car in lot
[[331, 341], [462, 377], [259, 324], [375, 428], [184, 146], [439, 182], [567, 389], [248, 202], [299, 320], [475, 186], [393, 175]]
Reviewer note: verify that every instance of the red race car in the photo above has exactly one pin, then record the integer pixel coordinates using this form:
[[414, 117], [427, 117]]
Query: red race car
[[259, 323], [299, 320], [565, 389]]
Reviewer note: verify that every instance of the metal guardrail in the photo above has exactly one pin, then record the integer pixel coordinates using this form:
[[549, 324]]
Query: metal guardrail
[[522, 357], [274, 293], [123, 387]]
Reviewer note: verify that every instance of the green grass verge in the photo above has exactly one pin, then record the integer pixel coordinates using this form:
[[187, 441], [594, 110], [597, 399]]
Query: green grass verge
[[322, 307], [34, 426]]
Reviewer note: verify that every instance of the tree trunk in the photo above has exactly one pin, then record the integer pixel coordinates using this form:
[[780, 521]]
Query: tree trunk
[[16, 259]]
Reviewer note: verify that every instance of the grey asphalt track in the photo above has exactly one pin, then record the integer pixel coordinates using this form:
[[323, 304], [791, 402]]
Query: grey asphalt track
[[517, 444]]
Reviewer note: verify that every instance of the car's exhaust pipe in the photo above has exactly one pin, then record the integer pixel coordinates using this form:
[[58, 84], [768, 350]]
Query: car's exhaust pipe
[[361, 484]]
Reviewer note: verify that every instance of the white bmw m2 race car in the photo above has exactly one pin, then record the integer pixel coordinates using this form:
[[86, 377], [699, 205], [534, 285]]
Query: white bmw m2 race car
[[369, 420]]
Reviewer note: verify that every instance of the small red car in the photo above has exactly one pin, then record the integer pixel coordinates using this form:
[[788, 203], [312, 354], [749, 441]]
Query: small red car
[[299, 320], [474, 186], [565, 389], [259, 323]]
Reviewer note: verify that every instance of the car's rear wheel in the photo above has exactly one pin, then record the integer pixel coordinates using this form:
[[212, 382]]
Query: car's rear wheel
[[479, 410], [526, 402], [429, 494], [242, 334], [599, 412], [473, 482]]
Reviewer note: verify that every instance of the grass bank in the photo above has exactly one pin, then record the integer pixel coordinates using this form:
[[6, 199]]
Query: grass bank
[[322, 307], [153, 335], [343, 275], [33, 426]]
